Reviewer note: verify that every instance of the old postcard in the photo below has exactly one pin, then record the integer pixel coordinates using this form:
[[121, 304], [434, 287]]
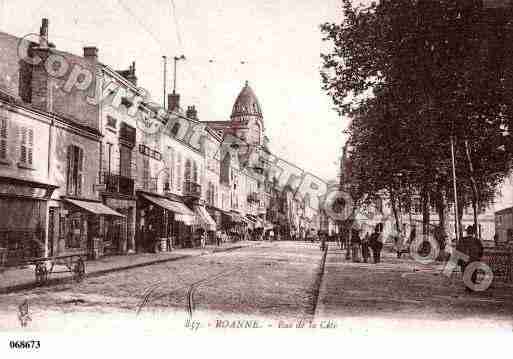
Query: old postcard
[[307, 169]]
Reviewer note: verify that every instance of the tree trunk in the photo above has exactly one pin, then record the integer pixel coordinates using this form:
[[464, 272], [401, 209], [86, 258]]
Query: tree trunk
[[425, 212], [474, 187], [442, 213], [393, 201]]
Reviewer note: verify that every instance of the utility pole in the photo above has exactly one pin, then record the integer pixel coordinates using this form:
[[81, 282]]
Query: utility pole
[[164, 58], [176, 58]]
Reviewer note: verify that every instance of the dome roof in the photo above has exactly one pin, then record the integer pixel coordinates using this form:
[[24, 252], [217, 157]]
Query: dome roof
[[246, 104]]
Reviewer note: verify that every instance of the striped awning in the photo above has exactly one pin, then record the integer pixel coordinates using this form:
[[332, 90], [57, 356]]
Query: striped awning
[[182, 213], [204, 219], [95, 208]]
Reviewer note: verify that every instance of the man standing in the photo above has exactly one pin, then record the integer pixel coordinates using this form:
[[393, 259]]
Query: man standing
[[375, 243]]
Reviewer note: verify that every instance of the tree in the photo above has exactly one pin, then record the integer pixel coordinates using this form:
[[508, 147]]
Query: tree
[[411, 74]]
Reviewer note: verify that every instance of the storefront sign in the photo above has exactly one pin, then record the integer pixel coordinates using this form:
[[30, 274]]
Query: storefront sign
[[20, 190]]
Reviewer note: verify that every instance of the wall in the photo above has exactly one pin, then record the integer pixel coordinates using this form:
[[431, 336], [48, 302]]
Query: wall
[[16, 118], [64, 136], [59, 93], [14, 73]]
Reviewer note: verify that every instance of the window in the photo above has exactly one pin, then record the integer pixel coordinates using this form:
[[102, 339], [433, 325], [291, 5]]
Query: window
[[195, 172], [187, 170], [75, 170], [146, 172], [3, 138], [27, 145], [111, 122], [179, 172], [125, 161], [175, 129]]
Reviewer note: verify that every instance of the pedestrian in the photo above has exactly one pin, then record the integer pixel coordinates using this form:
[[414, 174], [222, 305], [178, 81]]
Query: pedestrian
[[473, 248], [203, 238], [365, 247], [355, 243], [323, 240], [271, 235], [496, 239], [375, 243], [218, 237]]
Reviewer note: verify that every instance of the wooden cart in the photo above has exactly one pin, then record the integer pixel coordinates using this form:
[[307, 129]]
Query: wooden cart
[[74, 264]]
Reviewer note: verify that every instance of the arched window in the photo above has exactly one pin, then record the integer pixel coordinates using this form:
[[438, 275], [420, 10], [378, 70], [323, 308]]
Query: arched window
[[187, 171]]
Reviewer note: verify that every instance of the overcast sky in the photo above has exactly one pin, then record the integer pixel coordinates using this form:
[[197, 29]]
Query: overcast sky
[[274, 44]]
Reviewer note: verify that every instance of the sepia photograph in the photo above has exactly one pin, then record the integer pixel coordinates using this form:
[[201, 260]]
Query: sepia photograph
[[329, 172]]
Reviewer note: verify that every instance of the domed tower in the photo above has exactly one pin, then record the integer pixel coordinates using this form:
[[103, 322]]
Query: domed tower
[[246, 118]]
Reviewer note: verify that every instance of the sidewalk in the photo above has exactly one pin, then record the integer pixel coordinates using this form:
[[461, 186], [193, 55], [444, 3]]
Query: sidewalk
[[403, 288], [16, 279]]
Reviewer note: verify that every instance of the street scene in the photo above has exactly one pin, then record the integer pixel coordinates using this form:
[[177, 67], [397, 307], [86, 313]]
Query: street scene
[[344, 167]]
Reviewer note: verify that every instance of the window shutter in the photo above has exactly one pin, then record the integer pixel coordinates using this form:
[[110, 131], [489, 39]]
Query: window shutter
[[30, 147], [23, 147], [3, 138], [80, 167], [71, 162]]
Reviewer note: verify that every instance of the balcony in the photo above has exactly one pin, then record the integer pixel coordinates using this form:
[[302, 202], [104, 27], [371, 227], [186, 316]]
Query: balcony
[[117, 184], [191, 189], [127, 134], [149, 185], [253, 198]]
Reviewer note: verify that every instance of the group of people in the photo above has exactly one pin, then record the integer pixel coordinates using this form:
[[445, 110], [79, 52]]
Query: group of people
[[371, 242]]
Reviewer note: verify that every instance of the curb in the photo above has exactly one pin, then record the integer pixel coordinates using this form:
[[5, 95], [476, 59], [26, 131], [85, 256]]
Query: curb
[[318, 282], [99, 273]]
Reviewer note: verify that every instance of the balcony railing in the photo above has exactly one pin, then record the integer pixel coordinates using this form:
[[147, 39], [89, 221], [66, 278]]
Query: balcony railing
[[117, 184], [191, 189], [149, 185], [253, 197]]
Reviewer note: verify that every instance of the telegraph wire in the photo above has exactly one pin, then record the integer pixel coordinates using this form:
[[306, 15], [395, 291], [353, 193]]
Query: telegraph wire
[[177, 25], [127, 9]]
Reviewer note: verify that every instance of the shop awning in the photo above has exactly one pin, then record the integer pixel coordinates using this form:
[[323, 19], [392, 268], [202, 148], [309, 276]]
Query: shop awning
[[182, 213], [250, 218], [205, 218], [95, 208], [234, 216]]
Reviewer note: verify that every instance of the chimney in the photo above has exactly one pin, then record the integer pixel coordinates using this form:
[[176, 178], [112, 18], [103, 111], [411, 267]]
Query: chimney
[[131, 74], [173, 102], [191, 113], [91, 52], [43, 33]]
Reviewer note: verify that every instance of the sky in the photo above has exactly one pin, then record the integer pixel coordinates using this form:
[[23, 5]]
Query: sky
[[273, 44]]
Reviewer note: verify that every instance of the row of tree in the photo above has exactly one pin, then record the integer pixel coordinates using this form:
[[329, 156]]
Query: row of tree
[[414, 76]]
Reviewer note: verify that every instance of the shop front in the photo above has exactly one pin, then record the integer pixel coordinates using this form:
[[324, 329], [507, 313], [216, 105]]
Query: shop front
[[234, 224], [162, 223], [203, 223], [216, 215], [85, 226], [121, 232], [23, 209]]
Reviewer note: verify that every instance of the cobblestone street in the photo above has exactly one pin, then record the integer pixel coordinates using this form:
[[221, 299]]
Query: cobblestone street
[[275, 280]]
